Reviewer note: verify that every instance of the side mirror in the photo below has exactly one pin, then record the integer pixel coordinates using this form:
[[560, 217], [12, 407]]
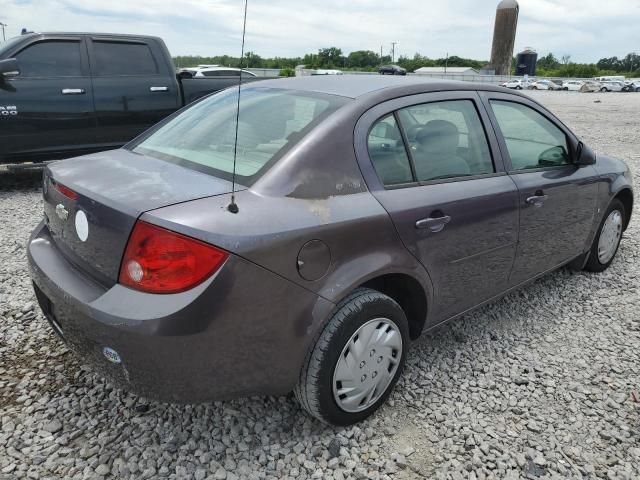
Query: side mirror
[[584, 155], [553, 156], [9, 67]]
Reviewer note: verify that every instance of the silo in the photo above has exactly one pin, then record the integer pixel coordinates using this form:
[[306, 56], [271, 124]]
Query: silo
[[526, 62], [504, 36]]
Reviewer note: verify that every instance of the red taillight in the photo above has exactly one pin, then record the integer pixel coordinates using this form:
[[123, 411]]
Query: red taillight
[[66, 191], [161, 261]]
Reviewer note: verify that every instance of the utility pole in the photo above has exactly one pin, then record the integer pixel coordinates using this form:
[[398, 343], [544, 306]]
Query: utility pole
[[4, 39], [393, 51], [380, 54], [446, 63]]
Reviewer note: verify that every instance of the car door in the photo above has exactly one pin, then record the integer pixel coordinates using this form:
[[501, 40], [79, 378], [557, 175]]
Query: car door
[[557, 197], [438, 172], [52, 98], [133, 88]]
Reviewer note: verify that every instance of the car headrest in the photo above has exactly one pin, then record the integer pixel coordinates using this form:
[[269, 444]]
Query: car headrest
[[438, 136]]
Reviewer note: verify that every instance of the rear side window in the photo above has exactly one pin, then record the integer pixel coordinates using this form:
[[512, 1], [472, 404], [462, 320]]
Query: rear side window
[[50, 59], [532, 140], [447, 140], [387, 152], [221, 73], [121, 58]]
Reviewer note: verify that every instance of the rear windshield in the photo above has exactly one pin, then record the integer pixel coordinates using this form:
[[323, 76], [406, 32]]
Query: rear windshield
[[271, 121]]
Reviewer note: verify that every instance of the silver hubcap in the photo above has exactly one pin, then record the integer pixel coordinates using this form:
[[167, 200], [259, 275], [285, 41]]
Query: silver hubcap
[[367, 365], [610, 237]]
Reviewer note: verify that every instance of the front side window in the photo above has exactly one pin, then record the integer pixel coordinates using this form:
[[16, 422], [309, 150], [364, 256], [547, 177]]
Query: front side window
[[447, 140], [387, 152], [50, 59], [121, 58], [271, 122], [532, 140]]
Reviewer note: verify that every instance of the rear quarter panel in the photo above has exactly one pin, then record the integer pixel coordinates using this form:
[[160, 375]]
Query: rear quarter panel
[[315, 192]]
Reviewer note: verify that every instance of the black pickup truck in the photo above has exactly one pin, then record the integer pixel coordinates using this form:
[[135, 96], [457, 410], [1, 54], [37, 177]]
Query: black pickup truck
[[63, 94]]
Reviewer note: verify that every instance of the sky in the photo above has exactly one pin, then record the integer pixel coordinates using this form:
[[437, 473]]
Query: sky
[[585, 29]]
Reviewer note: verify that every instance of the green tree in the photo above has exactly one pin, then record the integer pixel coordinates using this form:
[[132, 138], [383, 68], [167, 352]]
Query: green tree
[[330, 57], [363, 59], [548, 62]]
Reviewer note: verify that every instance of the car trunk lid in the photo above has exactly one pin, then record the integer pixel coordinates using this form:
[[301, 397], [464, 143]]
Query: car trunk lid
[[91, 224]]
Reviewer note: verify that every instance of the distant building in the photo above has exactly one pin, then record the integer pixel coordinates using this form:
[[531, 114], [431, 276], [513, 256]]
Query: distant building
[[447, 70], [526, 62]]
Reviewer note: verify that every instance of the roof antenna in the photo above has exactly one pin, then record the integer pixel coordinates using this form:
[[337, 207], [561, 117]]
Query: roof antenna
[[233, 206]]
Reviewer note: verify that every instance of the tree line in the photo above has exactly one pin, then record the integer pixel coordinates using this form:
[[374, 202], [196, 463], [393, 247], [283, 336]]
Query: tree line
[[367, 60]]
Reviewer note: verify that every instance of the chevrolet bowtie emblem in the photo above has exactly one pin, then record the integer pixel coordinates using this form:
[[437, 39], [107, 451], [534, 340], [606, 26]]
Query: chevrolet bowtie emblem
[[62, 212]]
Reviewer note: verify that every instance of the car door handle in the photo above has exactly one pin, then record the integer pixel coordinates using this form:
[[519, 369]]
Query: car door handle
[[73, 91], [537, 200], [435, 224], [159, 89]]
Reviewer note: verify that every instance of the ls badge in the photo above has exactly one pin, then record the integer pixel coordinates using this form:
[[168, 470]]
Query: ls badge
[[7, 110], [62, 212]]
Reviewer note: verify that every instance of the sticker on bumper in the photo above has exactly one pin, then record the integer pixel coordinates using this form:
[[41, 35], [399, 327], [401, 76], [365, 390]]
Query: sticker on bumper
[[82, 226]]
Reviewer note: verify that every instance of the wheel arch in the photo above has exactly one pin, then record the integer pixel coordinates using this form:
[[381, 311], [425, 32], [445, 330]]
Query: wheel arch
[[409, 293], [625, 195]]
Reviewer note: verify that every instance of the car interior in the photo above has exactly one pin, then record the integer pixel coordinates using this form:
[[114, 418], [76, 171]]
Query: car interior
[[446, 140]]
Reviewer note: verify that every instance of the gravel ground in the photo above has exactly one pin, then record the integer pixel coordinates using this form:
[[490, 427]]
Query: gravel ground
[[538, 385]]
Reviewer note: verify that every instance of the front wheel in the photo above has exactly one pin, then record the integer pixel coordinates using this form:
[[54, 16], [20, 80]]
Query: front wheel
[[605, 245], [356, 360], [518, 87]]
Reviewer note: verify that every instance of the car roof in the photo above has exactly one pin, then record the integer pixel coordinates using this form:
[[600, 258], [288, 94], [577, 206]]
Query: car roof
[[89, 34], [354, 86], [217, 68]]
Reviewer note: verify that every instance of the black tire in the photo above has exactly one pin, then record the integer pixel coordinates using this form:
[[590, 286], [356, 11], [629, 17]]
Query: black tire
[[638, 89], [518, 87], [593, 263], [603, 90], [315, 385]]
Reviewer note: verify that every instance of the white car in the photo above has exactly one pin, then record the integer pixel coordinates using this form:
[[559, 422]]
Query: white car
[[544, 85], [327, 72], [222, 72], [573, 85], [611, 86], [514, 84], [591, 86]]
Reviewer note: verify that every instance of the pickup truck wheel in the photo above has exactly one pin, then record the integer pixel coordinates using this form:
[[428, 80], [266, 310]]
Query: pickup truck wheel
[[356, 360], [605, 245]]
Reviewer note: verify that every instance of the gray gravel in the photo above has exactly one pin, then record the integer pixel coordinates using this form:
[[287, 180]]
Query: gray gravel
[[537, 385]]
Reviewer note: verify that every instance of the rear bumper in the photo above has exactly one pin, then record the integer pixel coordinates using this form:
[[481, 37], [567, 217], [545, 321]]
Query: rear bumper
[[244, 331]]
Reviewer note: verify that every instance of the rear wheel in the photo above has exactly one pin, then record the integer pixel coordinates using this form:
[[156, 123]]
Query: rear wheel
[[605, 245], [356, 360], [518, 87], [603, 89]]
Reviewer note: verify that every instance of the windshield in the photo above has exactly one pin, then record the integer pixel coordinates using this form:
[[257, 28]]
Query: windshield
[[271, 121]]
